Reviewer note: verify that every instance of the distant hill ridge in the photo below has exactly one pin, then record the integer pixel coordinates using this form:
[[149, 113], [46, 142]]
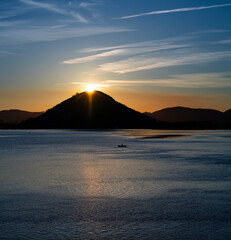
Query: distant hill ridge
[[15, 116], [90, 110], [185, 114]]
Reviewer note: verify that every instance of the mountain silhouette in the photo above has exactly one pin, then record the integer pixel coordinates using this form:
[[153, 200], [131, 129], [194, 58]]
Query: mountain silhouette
[[90, 110], [184, 114], [227, 115], [15, 116]]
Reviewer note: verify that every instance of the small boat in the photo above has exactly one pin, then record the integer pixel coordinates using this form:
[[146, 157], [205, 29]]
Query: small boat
[[122, 145]]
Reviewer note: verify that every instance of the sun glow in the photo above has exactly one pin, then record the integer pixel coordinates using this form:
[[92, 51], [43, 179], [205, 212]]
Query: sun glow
[[90, 88]]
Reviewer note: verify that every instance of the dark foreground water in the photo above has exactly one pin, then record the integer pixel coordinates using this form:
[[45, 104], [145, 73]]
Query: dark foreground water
[[80, 185]]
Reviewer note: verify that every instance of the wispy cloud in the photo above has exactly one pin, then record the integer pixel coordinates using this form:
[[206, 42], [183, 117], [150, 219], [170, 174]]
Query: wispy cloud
[[91, 7], [51, 29], [174, 11], [94, 57], [149, 55], [201, 80], [46, 6], [225, 41], [192, 80], [195, 80], [88, 5], [5, 53], [128, 49], [54, 8], [154, 45], [142, 63], [41, 34], [12, 23], [13, 12]]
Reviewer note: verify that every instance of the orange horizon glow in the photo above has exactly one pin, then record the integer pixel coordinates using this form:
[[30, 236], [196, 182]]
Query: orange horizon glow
[[31, 100]]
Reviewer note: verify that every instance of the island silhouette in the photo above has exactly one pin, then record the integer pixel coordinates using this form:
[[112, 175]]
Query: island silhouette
[[13, 117], [97, 110], [184, 114], [90, 110]]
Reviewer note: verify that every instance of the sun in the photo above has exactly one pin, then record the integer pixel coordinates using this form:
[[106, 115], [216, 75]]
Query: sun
[[90, 88]]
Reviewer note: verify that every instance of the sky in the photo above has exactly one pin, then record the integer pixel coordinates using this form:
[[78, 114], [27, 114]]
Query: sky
[[148, 54]]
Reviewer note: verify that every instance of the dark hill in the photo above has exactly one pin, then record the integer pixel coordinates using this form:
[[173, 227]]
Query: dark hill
[[227, 115], [16, 116], [90, 110], [183, 114]]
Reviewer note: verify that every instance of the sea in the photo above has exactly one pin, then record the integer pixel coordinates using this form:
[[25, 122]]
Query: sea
[[70, 184]]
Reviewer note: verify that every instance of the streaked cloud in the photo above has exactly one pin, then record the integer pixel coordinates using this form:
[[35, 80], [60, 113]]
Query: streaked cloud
[[127, 49], [31, 29], [30, 34], [94, 57], [91, 7], [174, 11], [201, 80], [5, 53], [54, 8], [194, 80], [121, 51], [12, 23], [47, 6], [88, 5], [142, 63], [225, 41], [155, 54], [149, 55], [14, 12], [146, 46]]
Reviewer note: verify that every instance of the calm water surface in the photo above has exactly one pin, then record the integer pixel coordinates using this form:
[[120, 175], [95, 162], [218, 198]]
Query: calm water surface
[[80, 185]]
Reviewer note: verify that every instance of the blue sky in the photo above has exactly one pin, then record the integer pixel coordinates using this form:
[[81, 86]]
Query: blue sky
[[147, 54]]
